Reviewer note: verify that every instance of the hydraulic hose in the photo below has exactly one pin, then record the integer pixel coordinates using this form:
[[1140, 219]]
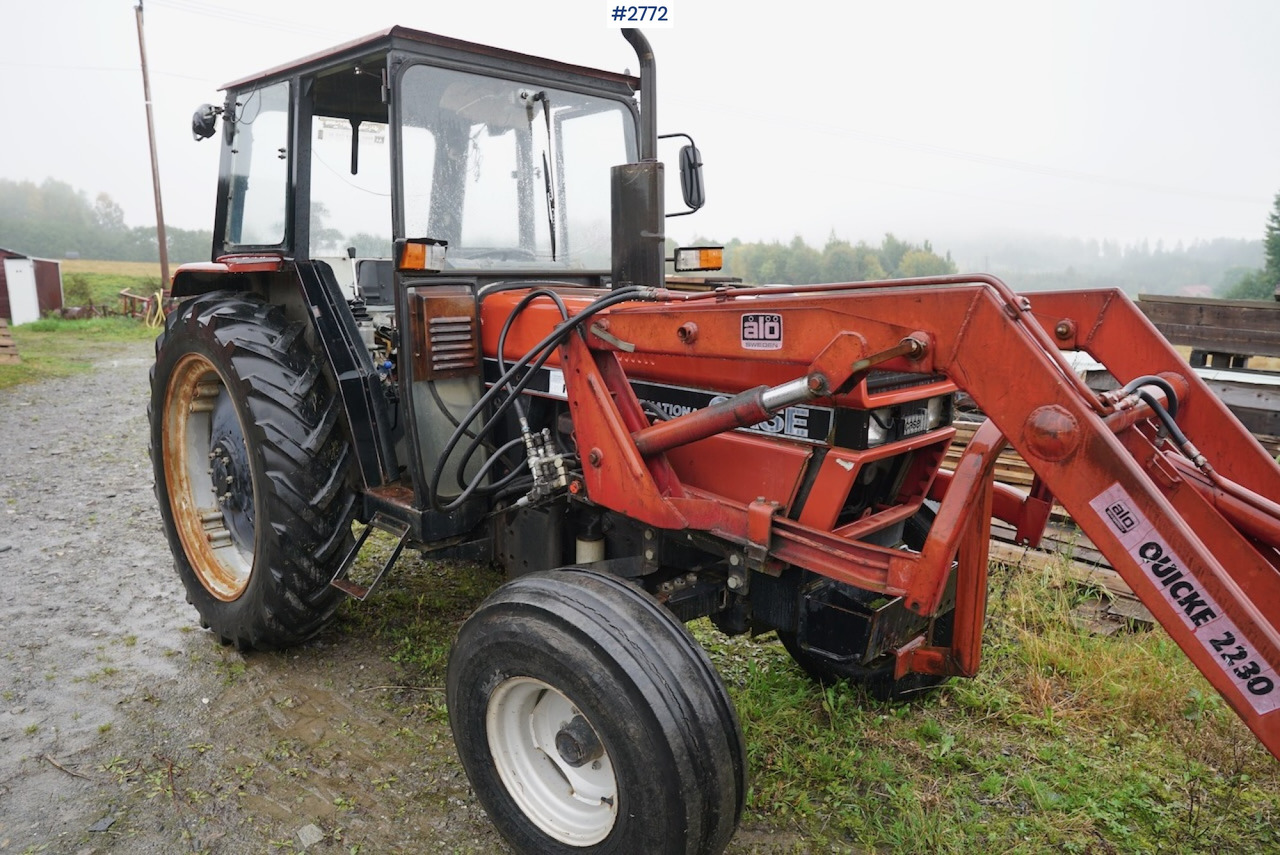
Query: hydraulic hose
[[523, 369], [1166, 413], [1153, 380]]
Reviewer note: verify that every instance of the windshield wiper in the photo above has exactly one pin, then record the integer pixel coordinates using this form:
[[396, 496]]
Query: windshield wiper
[[548, 179]]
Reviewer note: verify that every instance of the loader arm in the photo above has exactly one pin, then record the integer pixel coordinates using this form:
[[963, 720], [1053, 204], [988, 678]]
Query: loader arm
[[1195, 539]]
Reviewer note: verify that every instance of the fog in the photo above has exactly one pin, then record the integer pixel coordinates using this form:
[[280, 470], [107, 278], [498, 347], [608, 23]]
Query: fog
[[939, 121]]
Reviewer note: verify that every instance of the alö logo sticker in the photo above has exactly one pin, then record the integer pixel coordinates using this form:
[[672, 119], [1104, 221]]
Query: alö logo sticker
[[1120, 517], [761, 332]]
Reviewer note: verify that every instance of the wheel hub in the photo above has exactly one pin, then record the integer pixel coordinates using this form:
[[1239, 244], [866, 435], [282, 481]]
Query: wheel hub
[[203, 446], [577, 743], [231, 482]]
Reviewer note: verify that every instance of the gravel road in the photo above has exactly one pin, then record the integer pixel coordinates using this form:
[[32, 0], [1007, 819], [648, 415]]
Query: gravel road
[[125, 728]]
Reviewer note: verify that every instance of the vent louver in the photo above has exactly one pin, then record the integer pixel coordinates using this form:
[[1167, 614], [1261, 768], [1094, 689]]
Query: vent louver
[[444, 331], [452, 344]]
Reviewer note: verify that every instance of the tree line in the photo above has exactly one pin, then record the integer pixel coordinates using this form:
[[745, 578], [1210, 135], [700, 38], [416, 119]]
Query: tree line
[[1199, 268], [1262, 283], [1026, 263], [54, 220], [797, 263]]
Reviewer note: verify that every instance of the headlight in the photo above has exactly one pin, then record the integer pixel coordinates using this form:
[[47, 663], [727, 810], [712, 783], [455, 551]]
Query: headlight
[[936, 412], [880, 427]]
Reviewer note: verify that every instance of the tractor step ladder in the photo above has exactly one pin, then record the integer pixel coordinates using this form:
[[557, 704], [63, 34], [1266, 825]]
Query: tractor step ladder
[[354, 589]]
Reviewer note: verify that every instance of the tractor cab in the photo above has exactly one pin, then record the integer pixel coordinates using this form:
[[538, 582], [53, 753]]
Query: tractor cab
[[501, 157]]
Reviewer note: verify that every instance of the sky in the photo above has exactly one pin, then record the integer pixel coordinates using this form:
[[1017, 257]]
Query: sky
[[1118, 120]]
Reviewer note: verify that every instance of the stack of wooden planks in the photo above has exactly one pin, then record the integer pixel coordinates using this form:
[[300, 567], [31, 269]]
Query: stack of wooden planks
[[1063, 546], [8, 350]]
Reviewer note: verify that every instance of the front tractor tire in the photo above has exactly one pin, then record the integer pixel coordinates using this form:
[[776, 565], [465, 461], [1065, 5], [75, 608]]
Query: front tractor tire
[[589, 721], [251, 469]]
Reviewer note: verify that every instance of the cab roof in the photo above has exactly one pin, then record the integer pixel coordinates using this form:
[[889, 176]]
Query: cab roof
[[375, 46]]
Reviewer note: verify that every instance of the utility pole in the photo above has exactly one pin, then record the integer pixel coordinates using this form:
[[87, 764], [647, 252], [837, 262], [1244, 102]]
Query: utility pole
[[155, 163]]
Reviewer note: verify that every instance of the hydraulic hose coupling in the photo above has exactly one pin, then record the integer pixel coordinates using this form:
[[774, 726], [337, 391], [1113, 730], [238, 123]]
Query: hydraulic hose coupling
[[545, 463]]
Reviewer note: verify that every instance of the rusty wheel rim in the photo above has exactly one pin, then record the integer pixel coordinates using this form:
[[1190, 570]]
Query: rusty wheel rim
[[219, 556]]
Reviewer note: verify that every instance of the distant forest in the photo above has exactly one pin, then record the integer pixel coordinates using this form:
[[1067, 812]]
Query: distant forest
[[1222, 267], [54, 220], [1201, 268], [797, 263], [1030, 263]]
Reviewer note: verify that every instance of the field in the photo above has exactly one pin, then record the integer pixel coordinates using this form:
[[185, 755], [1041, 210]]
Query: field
[[133, 269]]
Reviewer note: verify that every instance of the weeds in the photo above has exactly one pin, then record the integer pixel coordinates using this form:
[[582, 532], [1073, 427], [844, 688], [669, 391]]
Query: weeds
[[1064, 742], [418, 609]]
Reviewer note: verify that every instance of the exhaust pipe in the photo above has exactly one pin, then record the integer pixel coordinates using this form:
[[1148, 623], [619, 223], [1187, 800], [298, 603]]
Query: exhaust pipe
[[638, 241]]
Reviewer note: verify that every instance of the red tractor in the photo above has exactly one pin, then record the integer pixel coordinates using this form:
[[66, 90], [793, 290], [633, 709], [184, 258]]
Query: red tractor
[[495, 365]]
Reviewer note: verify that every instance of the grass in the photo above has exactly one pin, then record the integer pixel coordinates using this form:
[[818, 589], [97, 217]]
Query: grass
[[99, 283], [418, 608], [1065, 742], [52, 347], [103, 289]]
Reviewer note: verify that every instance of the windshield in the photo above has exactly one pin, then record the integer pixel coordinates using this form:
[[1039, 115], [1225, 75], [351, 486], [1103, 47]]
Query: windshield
[[259, 167], [510, 174]]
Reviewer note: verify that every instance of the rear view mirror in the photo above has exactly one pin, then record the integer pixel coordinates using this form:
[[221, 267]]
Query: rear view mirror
[[204, 122], [690, 176]]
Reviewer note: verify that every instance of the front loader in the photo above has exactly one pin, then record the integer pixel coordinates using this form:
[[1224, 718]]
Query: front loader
[[499, 368]]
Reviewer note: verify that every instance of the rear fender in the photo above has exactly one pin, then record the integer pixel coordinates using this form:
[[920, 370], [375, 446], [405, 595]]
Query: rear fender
[[310, 295]]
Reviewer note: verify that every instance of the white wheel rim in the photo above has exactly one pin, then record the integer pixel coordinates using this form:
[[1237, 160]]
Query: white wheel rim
[[574, 805]]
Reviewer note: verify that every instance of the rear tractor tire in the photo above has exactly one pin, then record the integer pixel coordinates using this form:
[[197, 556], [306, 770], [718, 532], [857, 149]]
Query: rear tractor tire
[[589, 721], [251, 469]]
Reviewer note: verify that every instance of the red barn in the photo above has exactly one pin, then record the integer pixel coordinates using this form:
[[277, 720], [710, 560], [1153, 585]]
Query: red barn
[[29, 287]]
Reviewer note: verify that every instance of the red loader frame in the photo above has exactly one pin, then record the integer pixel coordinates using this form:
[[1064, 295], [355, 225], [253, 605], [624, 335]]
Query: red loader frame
[[1190, 530]]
